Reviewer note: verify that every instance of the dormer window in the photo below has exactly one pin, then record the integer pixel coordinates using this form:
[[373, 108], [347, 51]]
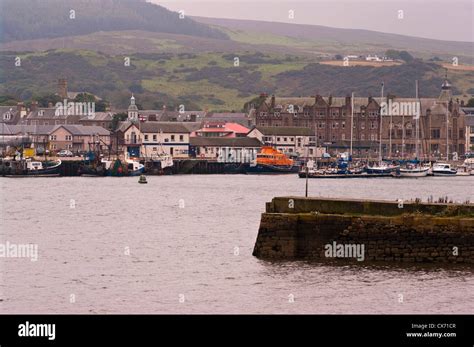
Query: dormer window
[[41, 113], [7, 116]]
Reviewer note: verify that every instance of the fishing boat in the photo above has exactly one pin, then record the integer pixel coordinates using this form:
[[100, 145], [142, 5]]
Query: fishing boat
[[271, 161], [29, 167], [159, 164], [129, 167], [443, 169], [382, 169]]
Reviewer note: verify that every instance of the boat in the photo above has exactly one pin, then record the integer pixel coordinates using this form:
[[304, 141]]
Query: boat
[[382, 169], [119, 168], [29, 167], [159, 164], [271, 161], [413, 171], [463, 170], [92, 166], [469, 164], [443, 169], [329, 174]]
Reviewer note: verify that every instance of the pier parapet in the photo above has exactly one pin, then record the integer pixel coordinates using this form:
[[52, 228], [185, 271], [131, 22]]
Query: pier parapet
[[366, 230]]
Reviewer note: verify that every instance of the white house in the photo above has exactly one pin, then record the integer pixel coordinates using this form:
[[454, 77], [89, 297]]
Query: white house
[[150, 138]]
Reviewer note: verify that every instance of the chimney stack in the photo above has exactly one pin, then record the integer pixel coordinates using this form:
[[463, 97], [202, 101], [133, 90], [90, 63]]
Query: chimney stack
[[273, 101], [62, 88]]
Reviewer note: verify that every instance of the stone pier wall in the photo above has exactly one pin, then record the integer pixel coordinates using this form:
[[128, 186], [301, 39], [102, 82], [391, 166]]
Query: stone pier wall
[[298, 228]]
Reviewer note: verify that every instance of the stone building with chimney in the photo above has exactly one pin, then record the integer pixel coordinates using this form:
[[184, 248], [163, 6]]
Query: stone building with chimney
[[441, 124]]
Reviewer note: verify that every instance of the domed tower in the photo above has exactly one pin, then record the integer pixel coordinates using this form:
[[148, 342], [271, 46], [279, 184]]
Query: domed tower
[[446, 94], [132, 110]]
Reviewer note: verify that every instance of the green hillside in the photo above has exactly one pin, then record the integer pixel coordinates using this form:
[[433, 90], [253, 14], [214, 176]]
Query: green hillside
[[210, 80], [33, 19]]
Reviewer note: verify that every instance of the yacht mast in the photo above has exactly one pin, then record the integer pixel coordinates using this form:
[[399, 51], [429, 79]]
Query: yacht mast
[[417, 121], [352, 120], [380, 131]]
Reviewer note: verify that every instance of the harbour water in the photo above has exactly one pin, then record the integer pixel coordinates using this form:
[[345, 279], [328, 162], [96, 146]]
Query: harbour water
[[183, 244]]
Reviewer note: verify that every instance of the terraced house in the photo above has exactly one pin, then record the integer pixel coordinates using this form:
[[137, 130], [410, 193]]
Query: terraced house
[[78, 138], [441, 126], [147, 139]]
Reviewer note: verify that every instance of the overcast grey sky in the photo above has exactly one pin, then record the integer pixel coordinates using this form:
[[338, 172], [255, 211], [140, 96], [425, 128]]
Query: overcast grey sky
[[437, 19]]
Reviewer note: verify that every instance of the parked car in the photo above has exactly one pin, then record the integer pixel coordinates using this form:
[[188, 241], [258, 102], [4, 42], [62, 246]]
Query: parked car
[[40, 151], [65, 153]]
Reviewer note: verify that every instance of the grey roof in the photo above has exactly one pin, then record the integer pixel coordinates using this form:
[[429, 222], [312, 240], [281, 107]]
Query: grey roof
[[165, 127], [82, 130], [98, 116], [231, 115], [468, 110], [7, 129], [285, 131], [225, 141]]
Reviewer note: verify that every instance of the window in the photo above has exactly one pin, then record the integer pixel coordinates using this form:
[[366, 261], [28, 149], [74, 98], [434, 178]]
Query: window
[[278, 139], [172, 137], [362, 126], [53, 146], [69, 146], [7, 116], [146, 137], [343, 125], [167, 140], [154, 137], [343, 136], [285, 139], [373, 125], [68, 137], [362, 137], [181, 138], [334, 125], [40, 113], [52, 137]]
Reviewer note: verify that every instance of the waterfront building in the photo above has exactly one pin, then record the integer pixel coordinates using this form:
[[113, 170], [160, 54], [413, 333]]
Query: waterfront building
[[442, 125], [225, 149], [78, 138], [288, 139], [145, 139], [220, 129]]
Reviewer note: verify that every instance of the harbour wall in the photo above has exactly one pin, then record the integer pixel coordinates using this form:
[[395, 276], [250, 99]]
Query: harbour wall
[[363, 231]]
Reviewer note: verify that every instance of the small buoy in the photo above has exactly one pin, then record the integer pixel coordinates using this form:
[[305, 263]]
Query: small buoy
[[142, 179]]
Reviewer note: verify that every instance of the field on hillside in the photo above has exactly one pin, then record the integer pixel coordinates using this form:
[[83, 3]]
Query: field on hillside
[[360, 63], [211, 81]]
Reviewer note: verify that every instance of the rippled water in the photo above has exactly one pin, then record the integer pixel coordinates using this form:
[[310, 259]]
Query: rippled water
[[190, 240]]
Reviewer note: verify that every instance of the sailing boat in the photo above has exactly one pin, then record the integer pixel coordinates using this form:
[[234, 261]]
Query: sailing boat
[[415, 169], [382, 168]]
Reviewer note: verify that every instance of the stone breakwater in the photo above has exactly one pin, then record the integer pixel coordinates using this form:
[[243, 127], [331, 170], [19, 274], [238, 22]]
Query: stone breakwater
[[333, 229]]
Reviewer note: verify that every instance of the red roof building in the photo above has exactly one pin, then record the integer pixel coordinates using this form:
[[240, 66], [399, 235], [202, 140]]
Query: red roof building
[[221, 129]]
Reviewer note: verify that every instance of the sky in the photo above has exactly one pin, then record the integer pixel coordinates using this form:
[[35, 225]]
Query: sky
[[451, 20]]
